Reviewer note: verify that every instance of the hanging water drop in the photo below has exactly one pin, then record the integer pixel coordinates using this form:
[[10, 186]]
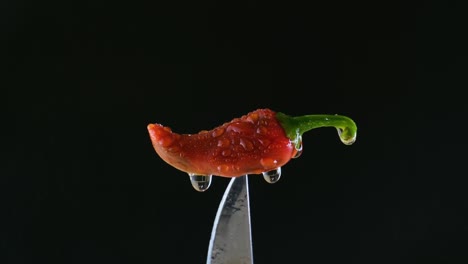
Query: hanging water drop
[[297, 145], [200, 183], [345, 141], [272, 176], [299, 151]]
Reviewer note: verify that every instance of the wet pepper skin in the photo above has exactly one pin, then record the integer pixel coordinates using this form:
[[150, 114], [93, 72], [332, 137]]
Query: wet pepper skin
[[251, 144]]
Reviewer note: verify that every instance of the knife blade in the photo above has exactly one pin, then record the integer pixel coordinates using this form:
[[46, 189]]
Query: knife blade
[[231, 237]]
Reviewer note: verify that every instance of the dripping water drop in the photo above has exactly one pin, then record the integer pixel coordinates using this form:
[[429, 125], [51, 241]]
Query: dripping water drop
[[272, 176], [299, 151], [200, 183], [349, 141], [298, 146]]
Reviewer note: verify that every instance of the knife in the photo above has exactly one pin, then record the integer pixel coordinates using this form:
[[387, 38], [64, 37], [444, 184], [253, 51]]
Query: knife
[[231, 237]]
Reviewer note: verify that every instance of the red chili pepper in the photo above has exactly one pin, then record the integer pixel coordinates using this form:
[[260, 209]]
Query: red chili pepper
[[260, 141]]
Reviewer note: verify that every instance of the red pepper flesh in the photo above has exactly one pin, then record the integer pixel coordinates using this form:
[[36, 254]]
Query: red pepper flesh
[[251, 144], [260, 141]]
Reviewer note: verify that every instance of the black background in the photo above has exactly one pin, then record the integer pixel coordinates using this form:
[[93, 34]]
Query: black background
[[82, 184]]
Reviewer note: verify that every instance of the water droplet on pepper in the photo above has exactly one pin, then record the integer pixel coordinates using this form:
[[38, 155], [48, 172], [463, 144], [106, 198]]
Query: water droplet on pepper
[[166, 140], [272, 176], [345, 141], [223, 168], [217, 132], [252, 118], [265, 142], [262, 130], [200, 183], [298, 147], [246, 144], [268, 162], [239, 127], [298, 153], [224, 142]]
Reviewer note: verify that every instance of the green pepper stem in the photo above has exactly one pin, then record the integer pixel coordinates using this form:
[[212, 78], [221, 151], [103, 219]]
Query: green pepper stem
[[296, 126]]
